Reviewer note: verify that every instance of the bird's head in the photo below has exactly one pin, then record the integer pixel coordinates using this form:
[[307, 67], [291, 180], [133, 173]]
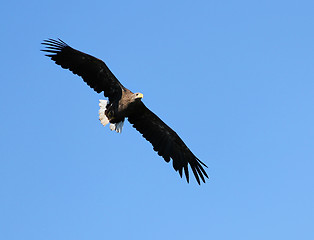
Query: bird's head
[[138, 96]]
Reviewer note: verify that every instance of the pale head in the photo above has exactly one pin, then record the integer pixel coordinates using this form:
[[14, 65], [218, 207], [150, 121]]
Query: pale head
[[138, 95]]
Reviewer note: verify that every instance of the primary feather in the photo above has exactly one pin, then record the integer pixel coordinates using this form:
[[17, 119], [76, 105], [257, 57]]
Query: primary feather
[[93, 71]]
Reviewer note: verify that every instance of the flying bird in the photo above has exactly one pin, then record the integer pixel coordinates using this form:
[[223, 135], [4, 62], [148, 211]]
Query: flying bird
[[122, 103]]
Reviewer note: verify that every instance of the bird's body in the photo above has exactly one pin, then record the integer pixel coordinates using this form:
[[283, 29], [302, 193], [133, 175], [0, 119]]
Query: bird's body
[[125, 104]]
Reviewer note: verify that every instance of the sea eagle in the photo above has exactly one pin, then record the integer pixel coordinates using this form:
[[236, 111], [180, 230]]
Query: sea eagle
[[122, 103]]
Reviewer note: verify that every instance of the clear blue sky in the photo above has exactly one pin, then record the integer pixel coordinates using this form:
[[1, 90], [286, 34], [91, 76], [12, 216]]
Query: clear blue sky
[[233, 78]]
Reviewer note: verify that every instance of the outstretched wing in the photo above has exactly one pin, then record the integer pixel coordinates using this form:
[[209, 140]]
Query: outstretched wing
[[166, 142], [93, 71]]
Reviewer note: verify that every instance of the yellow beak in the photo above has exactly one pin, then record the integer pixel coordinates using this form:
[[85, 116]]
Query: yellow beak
[[140, 95]]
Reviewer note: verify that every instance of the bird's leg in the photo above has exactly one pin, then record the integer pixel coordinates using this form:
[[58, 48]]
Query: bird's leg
[[110, 113]]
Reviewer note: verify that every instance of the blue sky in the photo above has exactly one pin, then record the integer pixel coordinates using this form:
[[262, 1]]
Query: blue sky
[[233, 78]]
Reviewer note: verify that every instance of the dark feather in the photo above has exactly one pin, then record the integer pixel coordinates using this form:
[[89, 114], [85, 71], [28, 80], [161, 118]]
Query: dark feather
[[93, 71], [166, 142]]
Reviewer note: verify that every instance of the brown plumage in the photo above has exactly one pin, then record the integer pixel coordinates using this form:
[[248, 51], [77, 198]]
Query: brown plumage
[[125, 104]]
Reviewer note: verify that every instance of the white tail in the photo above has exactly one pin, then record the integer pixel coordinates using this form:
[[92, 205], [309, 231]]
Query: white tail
[[117, 126], [104, 120], [102, 116]]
